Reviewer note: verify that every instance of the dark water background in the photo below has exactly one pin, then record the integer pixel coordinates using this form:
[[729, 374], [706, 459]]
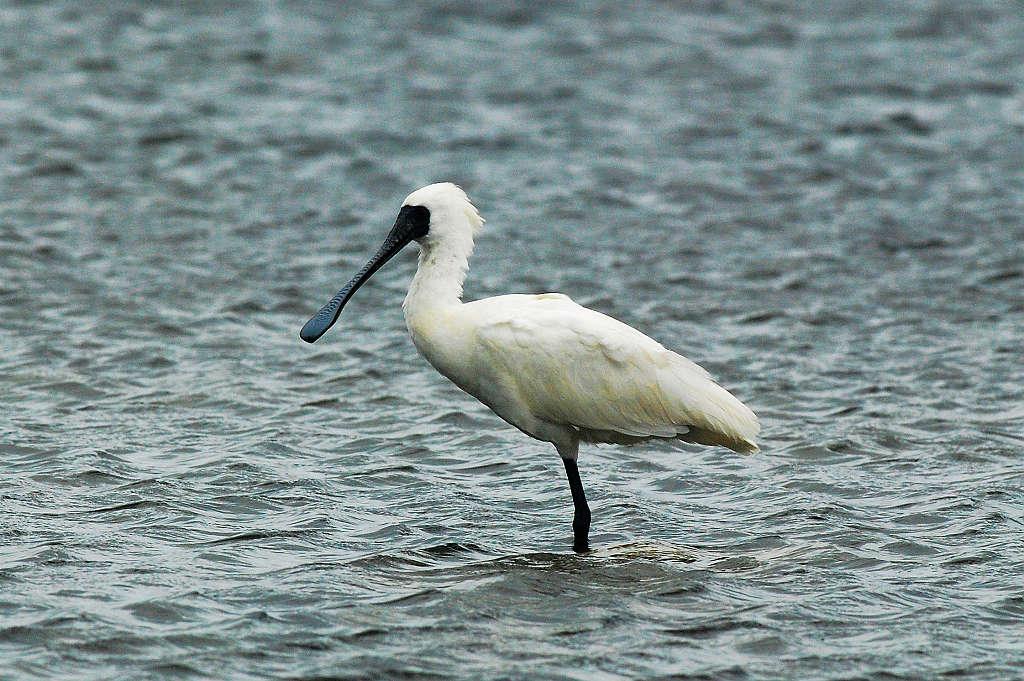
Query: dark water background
[[820, 202]]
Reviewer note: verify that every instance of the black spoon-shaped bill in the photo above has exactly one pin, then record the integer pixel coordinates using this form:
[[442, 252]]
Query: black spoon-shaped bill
[[412, 223]]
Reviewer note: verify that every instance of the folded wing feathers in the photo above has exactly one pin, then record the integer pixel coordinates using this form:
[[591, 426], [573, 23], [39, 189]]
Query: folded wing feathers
[[576, 366]]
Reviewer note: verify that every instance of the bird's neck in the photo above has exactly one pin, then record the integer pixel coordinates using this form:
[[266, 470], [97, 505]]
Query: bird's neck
[[438, 280]]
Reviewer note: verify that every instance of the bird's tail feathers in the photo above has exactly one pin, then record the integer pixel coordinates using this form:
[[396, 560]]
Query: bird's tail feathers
[[716, 416], [701, 436]]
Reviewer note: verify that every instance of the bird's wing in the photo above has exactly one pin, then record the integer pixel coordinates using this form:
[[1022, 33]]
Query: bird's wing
[[576, 366]]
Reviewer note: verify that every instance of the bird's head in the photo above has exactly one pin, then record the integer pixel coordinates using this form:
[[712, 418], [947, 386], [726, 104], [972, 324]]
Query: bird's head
[[435, 216], [447, 212]]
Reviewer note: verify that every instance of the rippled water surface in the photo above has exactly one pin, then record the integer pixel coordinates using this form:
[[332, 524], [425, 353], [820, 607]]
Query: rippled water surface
[[821, 203]]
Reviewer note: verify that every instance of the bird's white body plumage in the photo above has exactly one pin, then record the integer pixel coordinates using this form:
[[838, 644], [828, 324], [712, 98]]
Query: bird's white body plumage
[[558, 371]]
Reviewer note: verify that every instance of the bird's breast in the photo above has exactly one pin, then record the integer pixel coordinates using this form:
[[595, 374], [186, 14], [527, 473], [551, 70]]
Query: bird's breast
[[447, 342]]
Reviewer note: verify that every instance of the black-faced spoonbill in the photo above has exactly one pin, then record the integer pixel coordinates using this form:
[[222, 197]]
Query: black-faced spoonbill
[[555, 370]]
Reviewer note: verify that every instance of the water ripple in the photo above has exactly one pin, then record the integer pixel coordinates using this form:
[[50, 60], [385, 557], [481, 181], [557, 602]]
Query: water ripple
[[187, 487]]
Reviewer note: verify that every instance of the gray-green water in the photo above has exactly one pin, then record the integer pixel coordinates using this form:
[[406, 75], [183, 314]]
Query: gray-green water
[[821, 203]]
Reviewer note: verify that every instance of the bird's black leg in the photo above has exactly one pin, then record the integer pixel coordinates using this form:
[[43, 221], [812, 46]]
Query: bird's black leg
[[581, 515]]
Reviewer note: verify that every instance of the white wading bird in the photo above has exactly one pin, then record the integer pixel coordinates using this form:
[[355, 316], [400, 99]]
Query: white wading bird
[[553, 369]]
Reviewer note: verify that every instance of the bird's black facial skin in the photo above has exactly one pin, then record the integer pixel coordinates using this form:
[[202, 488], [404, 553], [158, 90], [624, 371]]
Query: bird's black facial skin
[[413, 223], [417, 218]]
